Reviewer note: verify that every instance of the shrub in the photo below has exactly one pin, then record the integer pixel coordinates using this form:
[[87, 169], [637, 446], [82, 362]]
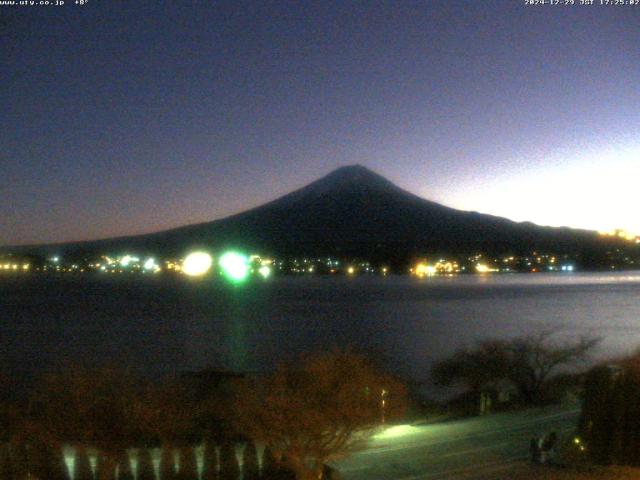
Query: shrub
[[610, 421]]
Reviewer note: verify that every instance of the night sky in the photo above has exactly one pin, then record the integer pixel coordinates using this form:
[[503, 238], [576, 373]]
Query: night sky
[[125, 117]]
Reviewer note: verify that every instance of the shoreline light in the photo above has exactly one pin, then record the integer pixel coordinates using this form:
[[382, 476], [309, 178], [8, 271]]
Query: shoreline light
[[197, 264], [265, 271], [235, 266]]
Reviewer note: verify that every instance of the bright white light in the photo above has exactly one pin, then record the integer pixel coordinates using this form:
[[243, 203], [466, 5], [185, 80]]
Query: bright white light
[[197, 263], [150, 264], [423, 269], [126, 260], [265, 271], [397, 431]]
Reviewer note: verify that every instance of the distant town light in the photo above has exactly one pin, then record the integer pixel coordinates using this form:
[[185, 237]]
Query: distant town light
[[423, 269], [235, 266], [265, 271], [150, 264], [197, 264], [483, 268]]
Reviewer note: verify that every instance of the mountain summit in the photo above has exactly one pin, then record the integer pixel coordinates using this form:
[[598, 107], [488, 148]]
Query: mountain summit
[[355, 212], [349, 179], [353, 175]]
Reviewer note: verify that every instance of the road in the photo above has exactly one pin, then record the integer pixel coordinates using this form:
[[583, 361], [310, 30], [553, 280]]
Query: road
[[480, 447]]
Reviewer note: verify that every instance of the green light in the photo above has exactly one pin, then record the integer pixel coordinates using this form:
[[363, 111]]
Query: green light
[[234, 265], [199, 454], [69, 454], [260, 451], [93, 462], [133, 462], [239, 451], [156, 458], [176, 461]]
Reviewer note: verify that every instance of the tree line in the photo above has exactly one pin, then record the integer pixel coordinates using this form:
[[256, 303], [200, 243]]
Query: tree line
[[528, 363], [292, 423], [109, 423]]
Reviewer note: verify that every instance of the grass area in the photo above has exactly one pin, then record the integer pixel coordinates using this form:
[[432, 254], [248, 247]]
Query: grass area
[[544, 472]]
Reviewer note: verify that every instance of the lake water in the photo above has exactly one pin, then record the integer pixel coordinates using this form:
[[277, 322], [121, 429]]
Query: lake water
[[162, 324]]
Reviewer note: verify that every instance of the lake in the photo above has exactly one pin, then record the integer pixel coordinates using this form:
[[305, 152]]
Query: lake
[[165, 324]]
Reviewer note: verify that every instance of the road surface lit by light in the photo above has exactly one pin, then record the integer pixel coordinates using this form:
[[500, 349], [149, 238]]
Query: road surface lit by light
[[455, 449], [398, 431]]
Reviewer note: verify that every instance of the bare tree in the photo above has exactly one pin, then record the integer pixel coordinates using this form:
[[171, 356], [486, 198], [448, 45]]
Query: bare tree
[[535, 358], [527, 362], [474, 368], [318, 410]]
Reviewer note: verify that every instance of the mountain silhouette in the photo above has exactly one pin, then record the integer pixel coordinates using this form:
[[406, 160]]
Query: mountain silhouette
[[353, 211]]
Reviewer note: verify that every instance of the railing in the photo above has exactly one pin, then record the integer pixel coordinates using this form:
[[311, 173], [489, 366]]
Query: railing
[[74, 462]]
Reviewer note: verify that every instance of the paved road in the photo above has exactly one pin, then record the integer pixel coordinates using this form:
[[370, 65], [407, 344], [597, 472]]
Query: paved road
[[477, 447]]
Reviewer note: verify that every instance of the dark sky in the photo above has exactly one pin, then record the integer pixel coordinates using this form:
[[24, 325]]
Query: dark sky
[[125, 117]]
